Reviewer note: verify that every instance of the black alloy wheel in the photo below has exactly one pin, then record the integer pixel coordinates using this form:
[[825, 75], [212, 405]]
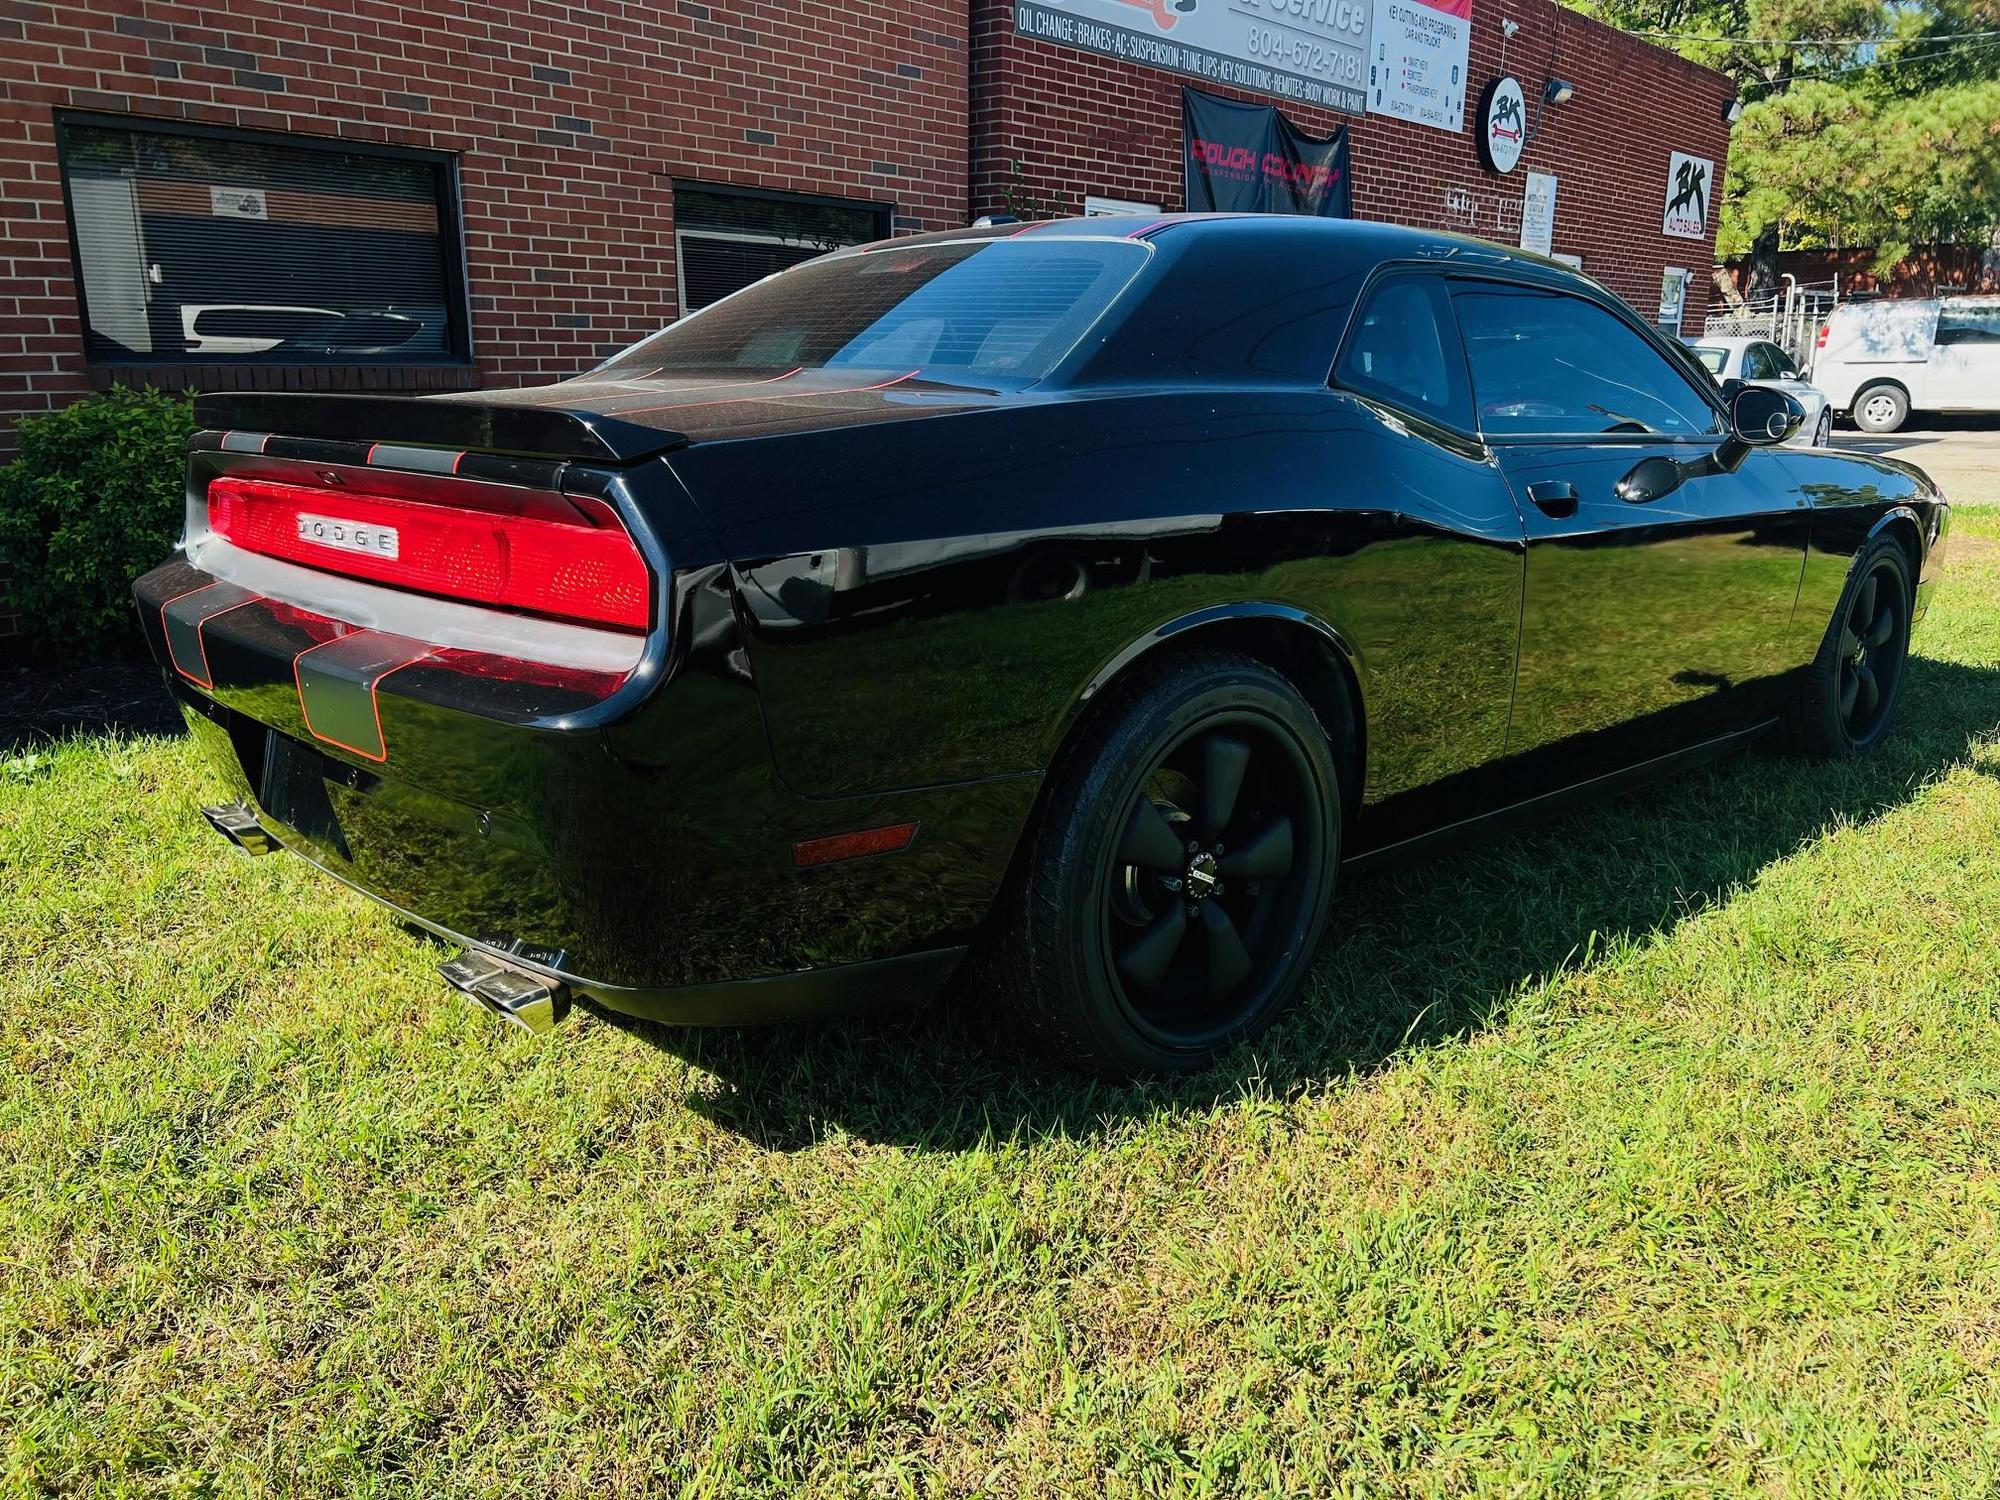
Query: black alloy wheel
[[1847, 701], [1170, 897], [1205, 898], [1873, 642]]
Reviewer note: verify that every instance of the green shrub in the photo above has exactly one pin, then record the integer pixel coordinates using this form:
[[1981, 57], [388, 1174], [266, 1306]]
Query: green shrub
[[94, 500]]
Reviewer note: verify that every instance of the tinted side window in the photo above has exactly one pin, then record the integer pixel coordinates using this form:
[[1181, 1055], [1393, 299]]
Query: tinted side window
[[1757, 364], [1968, 324], [1783, 367], [1404, 349], [1546, 362]]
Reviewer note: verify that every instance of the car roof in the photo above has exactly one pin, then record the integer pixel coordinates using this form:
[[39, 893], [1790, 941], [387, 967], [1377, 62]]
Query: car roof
[[1729, 341], [1361, 239], [1234, 296]]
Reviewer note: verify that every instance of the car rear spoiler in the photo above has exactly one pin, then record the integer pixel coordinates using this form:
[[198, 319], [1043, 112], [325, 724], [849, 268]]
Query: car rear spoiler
[[468, 423]]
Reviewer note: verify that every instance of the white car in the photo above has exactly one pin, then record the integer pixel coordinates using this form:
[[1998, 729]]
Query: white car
[[1761, 362], [1883, 358]]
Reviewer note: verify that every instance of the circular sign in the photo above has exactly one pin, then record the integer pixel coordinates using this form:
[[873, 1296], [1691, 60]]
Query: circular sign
[[1503, 124]]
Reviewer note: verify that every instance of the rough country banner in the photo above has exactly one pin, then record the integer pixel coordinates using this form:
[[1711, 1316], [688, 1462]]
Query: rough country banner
[[1248, 158], [1310, 51]]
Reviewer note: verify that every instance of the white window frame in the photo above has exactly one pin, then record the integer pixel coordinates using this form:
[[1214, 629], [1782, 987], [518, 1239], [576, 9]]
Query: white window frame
[[1095, 207]]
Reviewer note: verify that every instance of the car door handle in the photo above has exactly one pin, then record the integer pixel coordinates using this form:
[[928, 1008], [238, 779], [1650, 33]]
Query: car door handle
[[1555, 498], [1650, 479]]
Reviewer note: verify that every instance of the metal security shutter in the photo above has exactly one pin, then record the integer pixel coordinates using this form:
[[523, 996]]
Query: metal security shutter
[[726, 239], [210, 247]]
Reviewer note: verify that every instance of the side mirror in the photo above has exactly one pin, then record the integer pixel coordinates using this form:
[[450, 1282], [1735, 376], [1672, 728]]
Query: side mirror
[[1761, 416]]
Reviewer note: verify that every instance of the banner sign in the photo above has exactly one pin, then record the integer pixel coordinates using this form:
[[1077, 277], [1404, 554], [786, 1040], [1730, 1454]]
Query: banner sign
[[1248, 158], [1308, 51], [1420, 60], [1690, 181]]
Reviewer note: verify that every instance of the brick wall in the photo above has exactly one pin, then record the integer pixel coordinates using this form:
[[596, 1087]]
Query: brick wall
[[1076, 123], [568, 121]]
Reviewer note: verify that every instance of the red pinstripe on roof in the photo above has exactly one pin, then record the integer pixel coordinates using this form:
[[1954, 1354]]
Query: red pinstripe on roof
[[633, 411], [719, 385]]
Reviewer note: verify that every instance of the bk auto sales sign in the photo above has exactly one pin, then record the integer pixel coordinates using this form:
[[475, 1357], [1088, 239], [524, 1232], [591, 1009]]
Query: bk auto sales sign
[[1690, 191], [1308, 51]]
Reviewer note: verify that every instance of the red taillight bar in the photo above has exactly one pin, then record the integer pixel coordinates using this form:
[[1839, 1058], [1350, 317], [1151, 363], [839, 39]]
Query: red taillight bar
[[583, 572]]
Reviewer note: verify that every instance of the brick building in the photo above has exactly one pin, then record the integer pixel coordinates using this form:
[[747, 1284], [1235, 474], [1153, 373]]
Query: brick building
[[437, 194], [1076, 124]]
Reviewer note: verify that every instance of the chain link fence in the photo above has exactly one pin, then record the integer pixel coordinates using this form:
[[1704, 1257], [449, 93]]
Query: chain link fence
[[1791, 319]]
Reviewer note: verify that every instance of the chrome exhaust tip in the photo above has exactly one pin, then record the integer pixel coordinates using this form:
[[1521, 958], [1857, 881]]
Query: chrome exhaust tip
[[522, 999], [237, 823]]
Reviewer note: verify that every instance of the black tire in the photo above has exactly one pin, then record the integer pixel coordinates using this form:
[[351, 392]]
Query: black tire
[[1847, 701], [1170, 897], [1823, 433], [1881, 408]]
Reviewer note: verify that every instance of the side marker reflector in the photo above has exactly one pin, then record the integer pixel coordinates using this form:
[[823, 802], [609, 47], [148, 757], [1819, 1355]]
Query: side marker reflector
[[839, 846]]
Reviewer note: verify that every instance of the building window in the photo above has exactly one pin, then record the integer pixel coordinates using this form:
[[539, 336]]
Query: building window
[[223, 247], [727, 238]]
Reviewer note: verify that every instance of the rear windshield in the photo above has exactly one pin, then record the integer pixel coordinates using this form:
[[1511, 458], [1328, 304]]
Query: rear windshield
[[1713, 358], [991, 310]]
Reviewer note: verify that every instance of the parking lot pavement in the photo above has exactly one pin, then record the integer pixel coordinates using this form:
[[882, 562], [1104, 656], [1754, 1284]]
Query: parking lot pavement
[[1961, 453]]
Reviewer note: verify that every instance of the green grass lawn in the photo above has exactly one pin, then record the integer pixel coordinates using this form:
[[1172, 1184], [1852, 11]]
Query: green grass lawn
[[1654, 1151]]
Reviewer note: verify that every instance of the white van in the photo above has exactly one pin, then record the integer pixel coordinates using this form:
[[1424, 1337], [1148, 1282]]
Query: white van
[[1883, 360]]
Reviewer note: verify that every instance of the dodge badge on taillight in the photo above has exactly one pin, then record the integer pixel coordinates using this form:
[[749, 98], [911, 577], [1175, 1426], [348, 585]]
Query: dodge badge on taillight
[[349, 536]]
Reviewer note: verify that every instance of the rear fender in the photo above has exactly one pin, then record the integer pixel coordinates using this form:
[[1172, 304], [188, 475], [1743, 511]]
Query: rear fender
[[1202, 624]]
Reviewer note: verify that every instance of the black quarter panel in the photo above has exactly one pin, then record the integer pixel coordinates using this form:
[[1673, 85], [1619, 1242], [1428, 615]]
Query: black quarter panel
[[928, 606]]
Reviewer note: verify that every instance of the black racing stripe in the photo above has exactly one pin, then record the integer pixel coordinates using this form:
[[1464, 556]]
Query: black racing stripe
[[318, 450], [337, 681], [534, 473], [420, 460], [182, 618]]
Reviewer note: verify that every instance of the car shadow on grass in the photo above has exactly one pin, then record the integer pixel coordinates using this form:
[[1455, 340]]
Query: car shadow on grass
[[1412, 956], [40, 704]]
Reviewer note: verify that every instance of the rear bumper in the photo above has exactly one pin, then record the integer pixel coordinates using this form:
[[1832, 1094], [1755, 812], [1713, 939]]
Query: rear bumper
[[837, 989], [647, 863]]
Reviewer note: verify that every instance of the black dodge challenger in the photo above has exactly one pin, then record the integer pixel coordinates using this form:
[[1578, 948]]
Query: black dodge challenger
[[1083, 597]]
